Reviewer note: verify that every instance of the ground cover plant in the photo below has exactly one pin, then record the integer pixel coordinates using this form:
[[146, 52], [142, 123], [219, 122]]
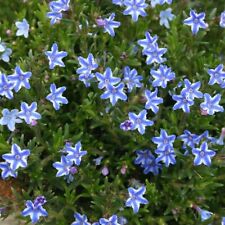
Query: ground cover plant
[[112, 111]]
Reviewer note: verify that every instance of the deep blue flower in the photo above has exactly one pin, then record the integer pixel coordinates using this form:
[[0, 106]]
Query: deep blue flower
[[153, 100], [188, 139], [161, 76], [135, 8], [139, 121], [10, 118], [63, 167], [20, 79], [191, 90], [75, 153], [166, 155], [136, 198], [217, 75], [86, 78], [164, 140], [80, 219], [55, 57], [55, 16], [34, 211], [143, 157], [28, 113], [106, 78], [60, 5], [111, 221], [108, 24], [126, 125], [222, 19], [6, 86], [196, 21], [17, 158], [56, 96], [7, 171], [165, 17], [118, 2], [40, 200], [211, 104], [131, 78], [154, 166], [203, 155], [154, 54], [182, 102], [114, 93], [148, 42], [23, 28], [205, 137], [205, 215]]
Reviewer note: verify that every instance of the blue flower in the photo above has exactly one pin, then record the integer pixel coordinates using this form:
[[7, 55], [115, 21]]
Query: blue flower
[[148, 42], [6, 87], [217, 75], [111, 221], [20, 79], [40, 200], [34, 211], [139, 121], [10, 118], [205, 136], [165, 17], [222, 19], [131, 78], [106, 78], [63, 167], [136, 198], [56, 96], [154, 54], [183, 102], [166, 154], [153, 100], [23, 28], [162, 76], [114, 93], [205, 215], [55, 57], [55, 16], [17, 158], [223, 221], [75, 153], [154, 166], [60, 5], [203, 155], [196, 21], [118, 2], [109, 24], [4, 51], [135, 8], [80, 219], [28, 113], [126, 125], [191, 90], [188, 138], [7, 171], [86, 78], [143, 157], [211, 104], [164, 140], [155, 2]]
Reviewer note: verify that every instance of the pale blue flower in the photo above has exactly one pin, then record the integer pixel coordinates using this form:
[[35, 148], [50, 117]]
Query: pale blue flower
[[60, 5], [111, 221], [222, 19], [118, 2], [55, 16], [6, 87], [165, 17], [23, 28], [4, 51], [80, 219], [63, 167], [205, 215]]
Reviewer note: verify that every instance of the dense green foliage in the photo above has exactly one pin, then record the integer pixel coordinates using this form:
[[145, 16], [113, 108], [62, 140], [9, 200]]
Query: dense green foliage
[[172, 193]]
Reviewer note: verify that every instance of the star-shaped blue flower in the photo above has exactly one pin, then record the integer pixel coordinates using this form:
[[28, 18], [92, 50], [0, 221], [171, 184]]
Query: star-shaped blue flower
[[139, 121], [106, 78], [114, 93], [63, 167], [191, 90], [135, 8], [203, 155], [152, 100], [131, 78], [205, 215], [10, 118], [55, 97], [188, 139], [143, 157], [111, 221], [211, 104], [7, 171], [80, 219], [136, 198], [161, 76], [34, 211], [217, 75], [154, 166], [164, 140], [196, 21], [17, 158], [222, 19], [6, 87], [182, 102], [23, 28], [75, 153], [166, 155], [165, 17], [54, 16], [60, 5], [28, 113], [108, 24], [55, 57], [148, 42], [20, 79]]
